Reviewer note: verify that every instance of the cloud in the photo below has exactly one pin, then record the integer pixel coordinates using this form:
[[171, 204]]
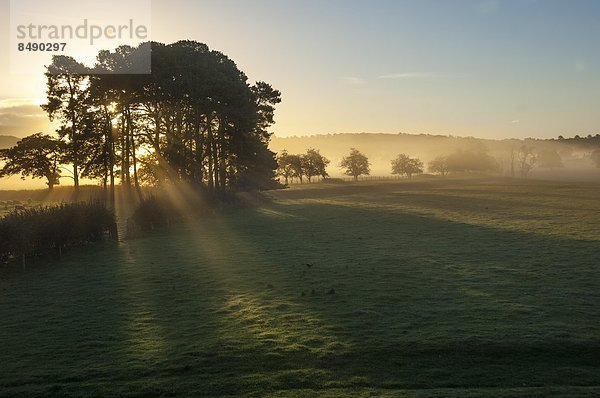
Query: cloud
[[18, 102], [353, 81], [516, 121], [22, 116]]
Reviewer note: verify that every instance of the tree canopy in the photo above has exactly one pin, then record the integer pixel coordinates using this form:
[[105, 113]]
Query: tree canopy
[[355, 164], [471, 160], [439, 165], [314, 164], [405, 165], [309, 165], [36, 156], [195, 113]]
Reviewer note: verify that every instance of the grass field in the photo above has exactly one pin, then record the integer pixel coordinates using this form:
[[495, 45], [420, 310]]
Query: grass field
[[425, 288]]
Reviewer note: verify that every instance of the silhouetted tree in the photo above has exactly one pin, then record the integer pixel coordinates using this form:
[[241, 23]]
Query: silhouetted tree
[[284, 166], [314, 164], [355, 164], [66, 85], [403, 164], [439, 165], [297, 166], [36, 156], [195, 112]]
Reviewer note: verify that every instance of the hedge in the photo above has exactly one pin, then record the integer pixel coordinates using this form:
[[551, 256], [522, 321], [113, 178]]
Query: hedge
[[35, 231]]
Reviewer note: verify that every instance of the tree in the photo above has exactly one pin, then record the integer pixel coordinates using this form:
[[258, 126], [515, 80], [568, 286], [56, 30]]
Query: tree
[[67, 102], [297, 166], [314, 164], [526, 160], [36, 156], [471, 160], [439, 165], [404, 164], [355, 164], [285, 167], [549, 159], [196, 112]]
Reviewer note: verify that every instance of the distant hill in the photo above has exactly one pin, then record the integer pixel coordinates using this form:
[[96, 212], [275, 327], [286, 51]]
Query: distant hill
[[6, 141]]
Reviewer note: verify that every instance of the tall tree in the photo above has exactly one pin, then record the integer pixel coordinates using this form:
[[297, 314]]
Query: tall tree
[[195, 113], [355, 164], [36, 156], [67, 95]]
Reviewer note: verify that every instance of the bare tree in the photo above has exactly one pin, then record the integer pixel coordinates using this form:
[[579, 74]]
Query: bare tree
[[526, 160]]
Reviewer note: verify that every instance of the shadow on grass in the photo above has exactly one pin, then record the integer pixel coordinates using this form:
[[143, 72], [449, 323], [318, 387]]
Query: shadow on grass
[[306, 296]]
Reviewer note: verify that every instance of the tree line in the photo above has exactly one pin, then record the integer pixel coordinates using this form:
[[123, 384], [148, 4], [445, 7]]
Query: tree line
[[470, 160], [194, 118]]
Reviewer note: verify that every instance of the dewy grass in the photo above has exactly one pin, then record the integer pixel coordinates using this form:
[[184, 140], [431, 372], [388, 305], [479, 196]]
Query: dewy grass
[[427, 288]]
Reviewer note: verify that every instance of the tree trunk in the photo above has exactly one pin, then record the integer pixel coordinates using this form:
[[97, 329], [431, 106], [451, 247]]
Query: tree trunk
[[76, 173], [111, 165], [209, 148]]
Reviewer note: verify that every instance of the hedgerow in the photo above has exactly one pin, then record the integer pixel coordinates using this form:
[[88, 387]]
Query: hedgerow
[[35, 231]]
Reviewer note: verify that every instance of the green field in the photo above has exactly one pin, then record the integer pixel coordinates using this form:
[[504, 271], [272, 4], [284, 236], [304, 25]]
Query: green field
[[425, 288]]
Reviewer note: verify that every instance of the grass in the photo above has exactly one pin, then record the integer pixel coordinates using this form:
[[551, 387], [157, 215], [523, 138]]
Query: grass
[[425, 288]]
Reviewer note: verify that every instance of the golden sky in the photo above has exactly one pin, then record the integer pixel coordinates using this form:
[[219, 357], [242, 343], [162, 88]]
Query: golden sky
[[484, 68]]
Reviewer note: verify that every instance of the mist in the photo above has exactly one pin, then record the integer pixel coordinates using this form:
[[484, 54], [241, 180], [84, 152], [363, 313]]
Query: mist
[[382, 148]]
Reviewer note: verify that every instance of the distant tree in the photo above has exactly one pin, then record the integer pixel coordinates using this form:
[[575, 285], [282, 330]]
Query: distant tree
[[285, 168], [355, 164], [36, 156], [549, 159], [439, 165], [314, 164], [526, 160], [297, 166], [471, 160], [513, 159], [595, 156], [405, 165]]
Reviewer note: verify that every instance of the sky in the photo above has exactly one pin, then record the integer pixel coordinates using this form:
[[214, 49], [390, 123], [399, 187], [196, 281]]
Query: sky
[[483, 68]]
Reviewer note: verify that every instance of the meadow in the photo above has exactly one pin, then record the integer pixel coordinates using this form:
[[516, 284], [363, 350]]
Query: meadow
[[435, 287]]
